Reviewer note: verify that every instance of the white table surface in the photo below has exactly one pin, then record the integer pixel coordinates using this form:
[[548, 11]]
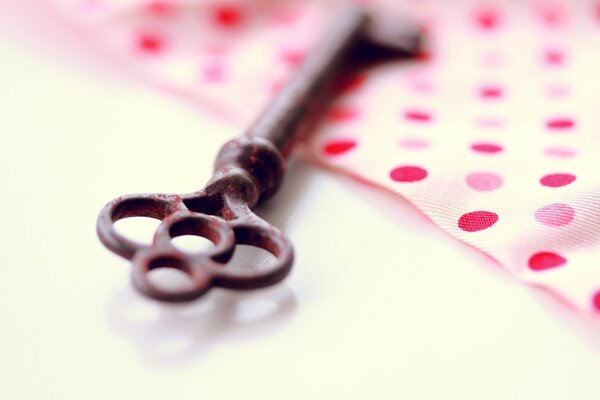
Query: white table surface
[[381, 303]]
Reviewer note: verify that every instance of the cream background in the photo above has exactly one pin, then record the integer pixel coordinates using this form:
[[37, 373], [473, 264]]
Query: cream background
[[385, 307]]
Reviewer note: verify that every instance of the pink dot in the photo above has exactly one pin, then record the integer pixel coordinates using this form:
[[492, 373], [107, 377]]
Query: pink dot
[[490, 92], [276, 86], [484, 181], [292, 57], [557, 180], [414, 143], [213, 72], [557, 91], [150, 43], [408, 173], [545, 260], [560, 152], [477, 221], [339, 146], [287, 17], [596, 297], [487, 17], [495, 123], [228, 16], [342, 113], [216, 49], [552, 14], [554, 57], [555, 214], [422, 86], [91, 5], [489, 148], [560, 123], [492, 59], [159, 8], [418, 116]]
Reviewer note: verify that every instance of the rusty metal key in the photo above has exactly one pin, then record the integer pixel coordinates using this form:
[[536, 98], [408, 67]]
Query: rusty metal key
[[248, 170]]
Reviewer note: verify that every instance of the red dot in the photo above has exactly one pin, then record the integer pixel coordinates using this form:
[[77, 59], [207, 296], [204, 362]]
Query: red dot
[[596, 297], [227, 16], [422, 56], [557, 180], [342, 113], [555, 215], [545, 260], [352, 83], [408, 173], [418, 116], [560, 123], [487, 18], [477, 221], [489, 148], [150, 43], [335, 147], [490, 92]]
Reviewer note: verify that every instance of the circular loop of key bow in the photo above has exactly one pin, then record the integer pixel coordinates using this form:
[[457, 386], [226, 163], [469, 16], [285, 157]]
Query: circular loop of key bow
[[220, 215]]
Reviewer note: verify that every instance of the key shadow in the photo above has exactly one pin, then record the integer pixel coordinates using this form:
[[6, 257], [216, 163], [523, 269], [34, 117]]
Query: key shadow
[[173, 335]]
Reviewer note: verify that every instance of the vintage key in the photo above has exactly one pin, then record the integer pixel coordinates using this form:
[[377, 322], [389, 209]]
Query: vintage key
[[248, 170]]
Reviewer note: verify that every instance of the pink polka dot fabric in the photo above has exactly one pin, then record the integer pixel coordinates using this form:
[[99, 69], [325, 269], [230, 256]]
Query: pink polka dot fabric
[[494, 133], [228, 56], [495, 138]]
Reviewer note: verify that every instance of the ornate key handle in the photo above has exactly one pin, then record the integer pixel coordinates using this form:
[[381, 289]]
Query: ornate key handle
[[248, 170]]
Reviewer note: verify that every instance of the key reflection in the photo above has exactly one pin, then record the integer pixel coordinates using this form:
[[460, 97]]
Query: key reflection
[[171, 336]]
